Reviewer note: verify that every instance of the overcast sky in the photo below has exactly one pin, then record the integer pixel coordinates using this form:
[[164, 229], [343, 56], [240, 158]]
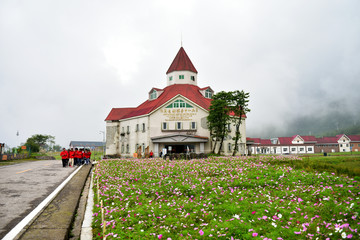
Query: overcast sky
[[65, 64]]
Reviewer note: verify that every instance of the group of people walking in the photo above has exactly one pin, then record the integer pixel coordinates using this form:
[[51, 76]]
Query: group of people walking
[[75, 157]]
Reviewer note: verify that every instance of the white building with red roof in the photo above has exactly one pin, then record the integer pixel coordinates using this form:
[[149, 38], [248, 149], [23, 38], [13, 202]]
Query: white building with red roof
[[304, 144], [173, 117]]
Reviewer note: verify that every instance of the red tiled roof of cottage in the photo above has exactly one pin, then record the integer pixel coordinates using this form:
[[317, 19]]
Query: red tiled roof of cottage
[[327, 140], [309, 138], [286, 140], [255, 140], [266, 141], [354, 138], [181, 62], [189, 91]]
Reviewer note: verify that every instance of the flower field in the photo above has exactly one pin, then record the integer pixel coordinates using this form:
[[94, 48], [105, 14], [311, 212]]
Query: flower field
[[221, 197]]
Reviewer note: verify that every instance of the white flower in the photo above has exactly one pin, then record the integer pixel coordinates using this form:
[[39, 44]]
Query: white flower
[[280, 215], [343, 235], [274, 224], [236, 216]]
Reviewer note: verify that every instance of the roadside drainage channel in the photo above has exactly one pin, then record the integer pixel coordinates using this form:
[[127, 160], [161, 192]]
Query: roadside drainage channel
[[53, 217]]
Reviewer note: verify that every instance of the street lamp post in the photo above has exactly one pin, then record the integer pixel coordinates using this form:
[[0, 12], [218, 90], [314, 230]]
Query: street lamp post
[[103, 132]]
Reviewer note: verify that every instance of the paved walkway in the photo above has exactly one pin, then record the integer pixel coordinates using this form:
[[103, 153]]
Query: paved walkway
[[24, 186], [55, 220]]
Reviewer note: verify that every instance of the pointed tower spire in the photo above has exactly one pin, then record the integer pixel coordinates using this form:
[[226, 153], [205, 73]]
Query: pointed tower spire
[[181, 70], [181, 63]]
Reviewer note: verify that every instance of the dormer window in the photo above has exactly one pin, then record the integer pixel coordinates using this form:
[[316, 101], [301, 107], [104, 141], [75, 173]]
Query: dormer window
[[181, 76], [153, 95], [170, 78], [208, 93]]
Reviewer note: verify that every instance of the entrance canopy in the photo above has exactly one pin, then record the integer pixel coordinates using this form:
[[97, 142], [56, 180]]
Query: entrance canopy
[[179, 138]]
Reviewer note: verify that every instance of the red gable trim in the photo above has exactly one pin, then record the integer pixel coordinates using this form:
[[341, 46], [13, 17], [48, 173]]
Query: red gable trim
[[181, 62]]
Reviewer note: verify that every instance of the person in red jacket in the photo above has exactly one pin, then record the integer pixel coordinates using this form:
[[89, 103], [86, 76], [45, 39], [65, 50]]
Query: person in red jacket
[[64, 157], [77, 156], [81, 157], [87, 155], [71, 157]]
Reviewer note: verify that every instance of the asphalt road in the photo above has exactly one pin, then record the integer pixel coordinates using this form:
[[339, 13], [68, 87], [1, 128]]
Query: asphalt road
[[23, 186]]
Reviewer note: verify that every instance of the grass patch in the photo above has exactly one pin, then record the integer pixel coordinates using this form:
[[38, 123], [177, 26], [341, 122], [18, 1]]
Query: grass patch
[[341, 165]]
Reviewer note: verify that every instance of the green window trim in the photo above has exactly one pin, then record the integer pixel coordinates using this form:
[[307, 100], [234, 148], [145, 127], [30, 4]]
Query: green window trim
[[179, 104], [181, 76]]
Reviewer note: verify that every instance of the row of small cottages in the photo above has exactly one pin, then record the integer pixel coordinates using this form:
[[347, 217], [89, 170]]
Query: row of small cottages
[[304, 144]]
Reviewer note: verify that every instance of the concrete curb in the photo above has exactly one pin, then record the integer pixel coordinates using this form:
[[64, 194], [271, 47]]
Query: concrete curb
[[86, 229], [54, 222]]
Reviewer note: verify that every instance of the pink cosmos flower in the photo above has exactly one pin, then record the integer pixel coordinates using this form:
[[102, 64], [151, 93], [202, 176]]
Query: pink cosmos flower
[[300, 200], [201, 232], [297, 232], [160, 236], [253, 212], [254, 234]]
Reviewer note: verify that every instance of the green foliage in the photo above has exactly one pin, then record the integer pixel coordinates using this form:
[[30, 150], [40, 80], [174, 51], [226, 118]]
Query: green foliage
[[219, 117], [239, 106], [38, 141], [348, 165], [227, 107]]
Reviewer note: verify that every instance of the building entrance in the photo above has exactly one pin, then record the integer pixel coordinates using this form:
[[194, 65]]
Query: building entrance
[[174, 148]]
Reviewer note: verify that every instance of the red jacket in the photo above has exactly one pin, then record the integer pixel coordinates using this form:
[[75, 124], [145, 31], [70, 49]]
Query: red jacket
[[64, 154], [87, 154], [78, 154], [71, 154]]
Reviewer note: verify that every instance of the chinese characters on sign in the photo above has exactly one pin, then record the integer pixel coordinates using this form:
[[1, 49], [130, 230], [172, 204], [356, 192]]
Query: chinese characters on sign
[[179, 114]]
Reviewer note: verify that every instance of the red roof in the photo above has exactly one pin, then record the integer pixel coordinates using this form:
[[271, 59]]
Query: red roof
[[285, 140], [327, 140], [309, 138], [259, 141], [266, 141], [181, 62], [354, 138], [118, 113], [188, 91]]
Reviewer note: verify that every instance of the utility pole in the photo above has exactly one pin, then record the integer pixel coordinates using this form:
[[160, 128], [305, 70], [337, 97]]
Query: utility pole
[[103, 132]]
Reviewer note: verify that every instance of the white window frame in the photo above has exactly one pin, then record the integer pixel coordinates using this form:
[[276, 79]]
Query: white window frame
[[166, 124], [153, 95], [208, 93], [193, 127]]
